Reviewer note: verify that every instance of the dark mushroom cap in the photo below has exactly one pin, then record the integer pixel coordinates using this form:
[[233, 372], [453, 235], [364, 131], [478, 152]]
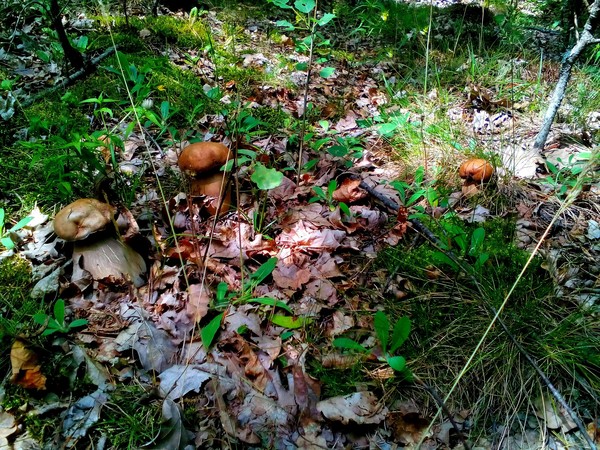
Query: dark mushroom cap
[[81, 218], [202, 158]]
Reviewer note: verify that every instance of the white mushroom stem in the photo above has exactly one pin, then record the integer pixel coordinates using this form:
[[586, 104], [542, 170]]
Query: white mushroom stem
[[213, 187], [110, 258]]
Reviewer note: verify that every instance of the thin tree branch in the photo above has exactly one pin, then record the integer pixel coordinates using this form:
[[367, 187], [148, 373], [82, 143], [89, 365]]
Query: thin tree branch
[[569, 59], [89, 68]]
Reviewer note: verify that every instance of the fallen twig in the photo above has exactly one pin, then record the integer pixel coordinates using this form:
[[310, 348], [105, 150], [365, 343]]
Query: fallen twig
[[442, 405], [89, 68], [391, 204]]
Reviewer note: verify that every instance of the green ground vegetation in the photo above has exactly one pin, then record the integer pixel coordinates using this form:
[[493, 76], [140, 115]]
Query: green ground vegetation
[[49, 155]]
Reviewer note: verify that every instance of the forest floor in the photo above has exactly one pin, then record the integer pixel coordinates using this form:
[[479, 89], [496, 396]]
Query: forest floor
[[358, 293]]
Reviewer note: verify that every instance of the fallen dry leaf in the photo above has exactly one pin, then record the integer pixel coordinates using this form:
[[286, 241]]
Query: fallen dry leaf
[[179, 380], [26, 372], [349, 191], [339, 324], [339, 361], [240, 351], [407, 424], [290, 276], [8, 426], [301, 235], [198, 301], [360, 408]]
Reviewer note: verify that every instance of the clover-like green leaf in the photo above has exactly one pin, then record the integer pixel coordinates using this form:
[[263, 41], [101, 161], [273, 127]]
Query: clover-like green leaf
[[397, 363], [327, 17], [266, 178], [304, 6], [326, 72]]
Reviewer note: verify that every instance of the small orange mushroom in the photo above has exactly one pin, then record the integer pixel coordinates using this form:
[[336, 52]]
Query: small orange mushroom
[[201, 163], [477, 170]]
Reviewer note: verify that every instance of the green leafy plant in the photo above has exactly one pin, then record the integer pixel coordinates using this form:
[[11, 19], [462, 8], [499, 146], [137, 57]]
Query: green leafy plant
[[348, 148], [307, 21], [388, 344], [470, 251], [136, 79], [263, 177], [57, 324], [224, 298], [564, 175], [325, 196], [411, 193], [5, 238]]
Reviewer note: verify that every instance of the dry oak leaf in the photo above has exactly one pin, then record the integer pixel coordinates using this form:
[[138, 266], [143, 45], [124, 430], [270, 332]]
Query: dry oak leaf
[[325, 267], [301, 235], [360, 408], [290, 276], [26, 372], [241, 352], [349, 191], [198, 301]]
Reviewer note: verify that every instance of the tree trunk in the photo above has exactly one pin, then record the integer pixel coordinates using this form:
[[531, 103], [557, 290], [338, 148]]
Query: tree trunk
[[74, 57], [586, 38]]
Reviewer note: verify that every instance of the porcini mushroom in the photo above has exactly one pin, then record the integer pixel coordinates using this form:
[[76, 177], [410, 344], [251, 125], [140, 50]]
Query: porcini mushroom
[[475, 172], [476, 169], [201, 163], [88, 223]]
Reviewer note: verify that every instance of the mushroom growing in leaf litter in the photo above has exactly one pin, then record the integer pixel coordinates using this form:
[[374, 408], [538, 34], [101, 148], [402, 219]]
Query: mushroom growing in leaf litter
[[475, 172], [97, 249], [476, 169], [202, 162]]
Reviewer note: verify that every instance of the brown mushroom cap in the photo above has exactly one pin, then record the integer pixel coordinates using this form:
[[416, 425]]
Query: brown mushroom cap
[[203, 158], [81, 218], [476, 169]]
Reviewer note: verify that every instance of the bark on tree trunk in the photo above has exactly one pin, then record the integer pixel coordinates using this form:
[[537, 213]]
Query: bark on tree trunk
[[586, 38], [74, 57]]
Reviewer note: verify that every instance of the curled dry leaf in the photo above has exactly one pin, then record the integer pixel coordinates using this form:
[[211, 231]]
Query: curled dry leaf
[[360, 408], [26, 372], [349, 191], [242, 352], [338, 361], [198, 301]]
